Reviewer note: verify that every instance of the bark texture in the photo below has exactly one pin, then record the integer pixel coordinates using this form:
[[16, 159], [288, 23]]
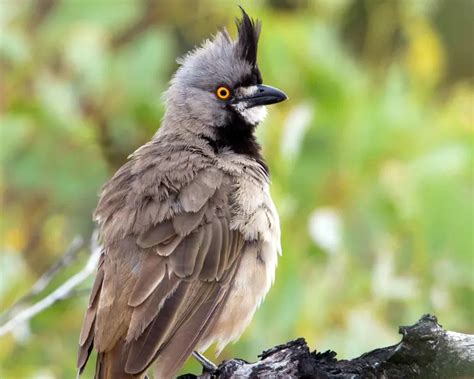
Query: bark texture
[[425, 351]]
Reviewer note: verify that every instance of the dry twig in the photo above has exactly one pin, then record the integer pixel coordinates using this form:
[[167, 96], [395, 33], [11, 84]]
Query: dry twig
[[60, 293]]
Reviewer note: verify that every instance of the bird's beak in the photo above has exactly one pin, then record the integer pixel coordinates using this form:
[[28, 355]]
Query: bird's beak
[[265, 95]]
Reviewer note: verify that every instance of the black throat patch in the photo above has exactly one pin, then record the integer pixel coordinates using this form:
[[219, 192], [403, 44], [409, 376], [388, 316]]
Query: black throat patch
[[238, 136]]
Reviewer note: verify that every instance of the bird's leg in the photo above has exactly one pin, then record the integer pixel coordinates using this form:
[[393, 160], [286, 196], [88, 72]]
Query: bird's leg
[[207, 365]]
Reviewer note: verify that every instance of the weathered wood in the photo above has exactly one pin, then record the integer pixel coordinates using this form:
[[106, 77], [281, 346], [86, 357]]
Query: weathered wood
[[425, 351]]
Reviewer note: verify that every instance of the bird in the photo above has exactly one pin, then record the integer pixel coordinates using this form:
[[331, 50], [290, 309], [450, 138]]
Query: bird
[[189, 233]]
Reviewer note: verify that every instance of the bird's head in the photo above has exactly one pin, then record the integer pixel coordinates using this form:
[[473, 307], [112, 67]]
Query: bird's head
[[219, 83]]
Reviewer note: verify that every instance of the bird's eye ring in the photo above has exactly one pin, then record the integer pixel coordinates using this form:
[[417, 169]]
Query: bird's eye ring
[[223, 93]]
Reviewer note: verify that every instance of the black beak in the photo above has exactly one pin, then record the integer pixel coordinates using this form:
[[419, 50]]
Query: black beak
[[265, 95]]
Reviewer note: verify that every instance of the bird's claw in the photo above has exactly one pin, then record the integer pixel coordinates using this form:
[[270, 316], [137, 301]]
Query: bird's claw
[[207, 365]]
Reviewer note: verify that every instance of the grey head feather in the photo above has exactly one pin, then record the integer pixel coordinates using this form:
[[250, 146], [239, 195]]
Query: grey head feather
[[249, 32], [191, 102], [221, 58]]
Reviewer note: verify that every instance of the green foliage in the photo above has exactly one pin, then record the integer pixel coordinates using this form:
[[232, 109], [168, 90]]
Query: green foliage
[[371, 159]]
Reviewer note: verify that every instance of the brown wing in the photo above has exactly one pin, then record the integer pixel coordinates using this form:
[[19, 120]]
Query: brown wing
[[158, 291], [86, 338]]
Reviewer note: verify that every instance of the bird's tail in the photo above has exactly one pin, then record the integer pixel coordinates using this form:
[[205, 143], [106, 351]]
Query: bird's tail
[[111, 364]]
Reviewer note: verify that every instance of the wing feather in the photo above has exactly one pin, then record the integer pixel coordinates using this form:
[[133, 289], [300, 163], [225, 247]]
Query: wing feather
[[144, 314], [86, 338], [224, 250], [184, 256], [85, 350], [165, 249], [151, 275], [213, 254], [89, 318], [156, 235], [203, 249], [143, 349], [174, 353], [193, 196], [171, 277], [178, 348], [184, 223]]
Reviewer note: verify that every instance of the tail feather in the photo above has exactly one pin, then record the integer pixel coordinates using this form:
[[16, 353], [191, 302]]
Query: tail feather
[[111, 364]]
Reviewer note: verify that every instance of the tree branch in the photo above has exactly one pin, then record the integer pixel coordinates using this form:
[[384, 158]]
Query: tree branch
[[66, 259], [425, 351], [60, 293]]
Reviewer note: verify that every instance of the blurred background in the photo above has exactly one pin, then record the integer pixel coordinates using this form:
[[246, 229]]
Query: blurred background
[[371, 159]]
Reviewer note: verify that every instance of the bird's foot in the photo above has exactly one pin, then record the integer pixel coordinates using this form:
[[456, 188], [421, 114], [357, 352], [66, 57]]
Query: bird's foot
[[207, 365]]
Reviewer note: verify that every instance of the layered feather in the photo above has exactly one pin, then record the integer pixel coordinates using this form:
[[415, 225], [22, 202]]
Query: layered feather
[[158, 292]]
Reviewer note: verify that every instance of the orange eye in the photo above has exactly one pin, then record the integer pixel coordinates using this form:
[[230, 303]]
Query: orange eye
[[223, 93]]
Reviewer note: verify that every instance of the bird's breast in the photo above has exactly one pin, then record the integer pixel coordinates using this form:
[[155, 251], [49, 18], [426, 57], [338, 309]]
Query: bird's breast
[[252, 282], [253, 211], [254, 215]]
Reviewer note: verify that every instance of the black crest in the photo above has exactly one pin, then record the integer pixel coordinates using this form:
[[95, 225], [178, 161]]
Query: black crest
[[249, 31]]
